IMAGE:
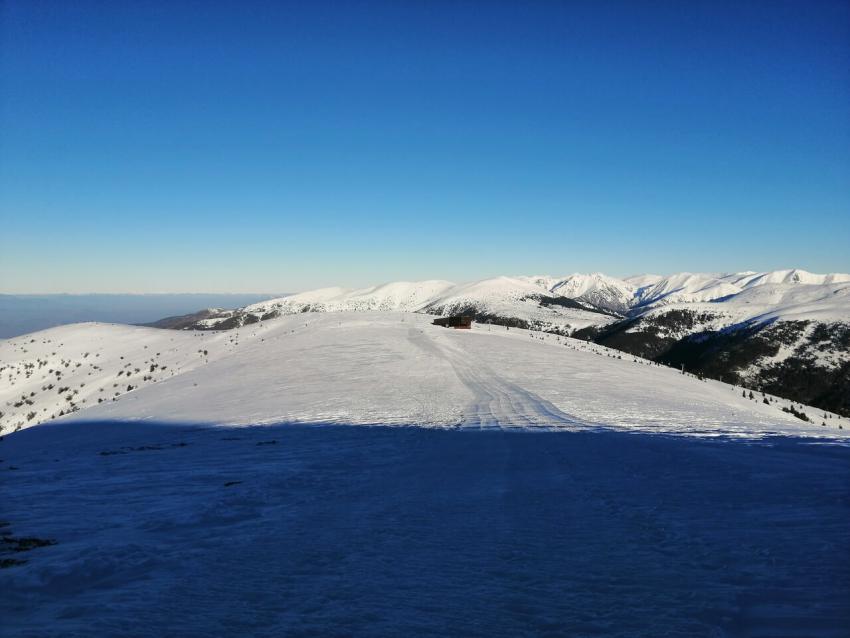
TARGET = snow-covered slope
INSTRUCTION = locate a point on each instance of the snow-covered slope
(523, 301)
(54, 372)
(764, 304)
(810, 302)
(701, 287)
(598, 290)
(786, 332)
(380, 368)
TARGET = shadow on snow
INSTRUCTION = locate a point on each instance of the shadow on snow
(198, 530)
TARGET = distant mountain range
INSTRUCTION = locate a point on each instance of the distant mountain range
(22, 314)
(786, 332)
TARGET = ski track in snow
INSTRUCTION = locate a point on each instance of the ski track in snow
(498, 403)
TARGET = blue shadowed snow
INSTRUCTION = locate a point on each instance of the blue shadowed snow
(408, 531)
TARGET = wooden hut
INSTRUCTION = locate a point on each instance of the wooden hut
(458, 322)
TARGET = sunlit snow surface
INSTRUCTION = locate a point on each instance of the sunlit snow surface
(396, 368)
(389, 531)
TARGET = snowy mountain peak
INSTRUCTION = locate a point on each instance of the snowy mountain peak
(597, 289)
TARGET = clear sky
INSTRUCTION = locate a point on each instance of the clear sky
(271, 146)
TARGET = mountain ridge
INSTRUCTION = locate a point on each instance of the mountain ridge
(592, 292)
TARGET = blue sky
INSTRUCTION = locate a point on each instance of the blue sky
(253, 146)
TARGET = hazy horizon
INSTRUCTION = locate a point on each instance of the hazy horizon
(22, 314)
(374, 283)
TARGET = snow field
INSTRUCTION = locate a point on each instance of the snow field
(398, 369)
